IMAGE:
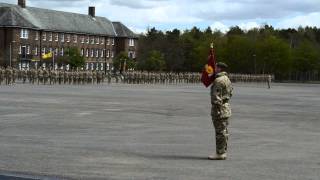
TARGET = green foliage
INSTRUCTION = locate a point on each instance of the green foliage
(259, 50)
(122, 60)
(154, 62)
(74, 58)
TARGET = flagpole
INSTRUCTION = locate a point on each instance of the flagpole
(53, 66)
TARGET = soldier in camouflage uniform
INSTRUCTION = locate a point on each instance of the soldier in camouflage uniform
(221, 92)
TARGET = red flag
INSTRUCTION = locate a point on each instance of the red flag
(208, 72)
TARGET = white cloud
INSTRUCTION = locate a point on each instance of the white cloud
(249, 25)
(219, 26)
(312, 19)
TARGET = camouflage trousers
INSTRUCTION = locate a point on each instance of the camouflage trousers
(221, 129)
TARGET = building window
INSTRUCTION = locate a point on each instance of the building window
(50, 50)
(103, 52)
(97, 53)
(131, 42)
(108, 41)
(44, 36)
(36, 36)
(50, 36)
(108, 53)
(24, 34)
(88, 40)
(28, 49)
(82, 39)
(36, 51)
(56, 37)
(68, 37)
(112, 41)
(82, 52)
(87, 52)
(131, 54)
(97, 40)
(92, 53)
(75, 38)
(43, 50)
(92, 40)
(62, 37)
(20, 49)
(102, 40)
(112, 54)
(62, 52)
(56, 51)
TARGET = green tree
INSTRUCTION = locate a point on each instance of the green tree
(122, 60)
(154, 62)
(74, 58)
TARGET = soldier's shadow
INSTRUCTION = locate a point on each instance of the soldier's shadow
(170, 156)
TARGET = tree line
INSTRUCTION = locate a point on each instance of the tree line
(289, 54)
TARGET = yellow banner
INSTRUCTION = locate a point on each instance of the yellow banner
(46, 56)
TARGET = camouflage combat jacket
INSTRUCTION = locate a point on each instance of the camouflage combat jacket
(221, 92)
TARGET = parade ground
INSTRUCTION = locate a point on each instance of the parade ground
(157, 132)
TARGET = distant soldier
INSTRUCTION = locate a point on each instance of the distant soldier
(45, 76)
(94, 76)
(2, 72)
(221, 92)
(24, 75)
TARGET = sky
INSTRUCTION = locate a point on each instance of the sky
(139, 15)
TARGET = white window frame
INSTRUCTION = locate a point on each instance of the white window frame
(131, 42)
(87, 52)
(112, 54)
(88, 40)
(28, 49)
(102, 53)
(44, 36)
(92, 53)
(37, 36)
(102, 40)
(82, 39)
(24, 34)
(97, 40)
(108, 41)
(82, 52)
(75, 38)
(68, 37)
(62, 37)
(50, 36)
(108, 53)
(92, 40)
(97, 53)
(113, 41)
(56, 37)
(43, 50)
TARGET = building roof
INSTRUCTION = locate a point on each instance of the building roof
(51, 20)
(122, 31)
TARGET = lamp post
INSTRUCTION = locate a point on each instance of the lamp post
(255, 67)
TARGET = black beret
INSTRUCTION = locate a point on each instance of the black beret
(222, 65)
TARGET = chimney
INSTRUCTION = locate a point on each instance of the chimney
(22, 3)
(92, 11)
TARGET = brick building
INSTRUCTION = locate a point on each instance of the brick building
(28, 32)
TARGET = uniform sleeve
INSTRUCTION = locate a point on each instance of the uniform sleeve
(216, 93)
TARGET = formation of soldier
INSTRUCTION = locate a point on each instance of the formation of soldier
(9, 76)
(137, 77)
(250, 78)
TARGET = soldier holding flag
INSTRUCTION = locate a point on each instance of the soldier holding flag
(221, 92)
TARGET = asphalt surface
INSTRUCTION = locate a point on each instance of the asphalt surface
(137, 132)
